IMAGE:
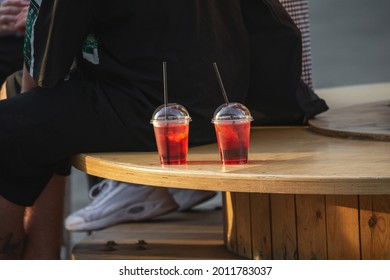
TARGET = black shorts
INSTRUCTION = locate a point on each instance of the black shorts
(11, 55)
(41, 129)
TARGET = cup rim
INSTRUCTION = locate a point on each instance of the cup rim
(167, 121)
(241, 120)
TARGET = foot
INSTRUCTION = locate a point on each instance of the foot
(117, 202)
(187, 198)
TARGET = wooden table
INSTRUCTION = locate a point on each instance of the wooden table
(362, 112)
(301, 196)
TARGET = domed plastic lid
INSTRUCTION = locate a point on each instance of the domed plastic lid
(173, 112)
(232, 112)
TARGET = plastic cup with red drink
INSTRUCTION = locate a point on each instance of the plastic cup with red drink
(171, 128)
(232, 127)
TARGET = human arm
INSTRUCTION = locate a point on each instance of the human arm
(21, 19)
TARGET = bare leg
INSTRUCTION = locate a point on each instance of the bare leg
(11, 230)
(3, 94)
(44, 222)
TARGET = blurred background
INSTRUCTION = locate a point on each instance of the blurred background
(350, 41)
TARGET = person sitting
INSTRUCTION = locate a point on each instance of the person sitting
(105, 103)
(93, 216)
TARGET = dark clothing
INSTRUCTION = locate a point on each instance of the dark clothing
(276, 95)
(106, 104)
(11, 55)
(127, 41)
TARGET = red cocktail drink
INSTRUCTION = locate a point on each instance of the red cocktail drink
(233, 141)
(172, 142)
(171, 125)
(232, 122)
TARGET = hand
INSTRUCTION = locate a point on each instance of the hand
(9, 10)
(21, 20)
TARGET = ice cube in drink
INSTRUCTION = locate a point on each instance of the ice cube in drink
(171, 127)
(233, 141)
(172, 142)
(232, 128)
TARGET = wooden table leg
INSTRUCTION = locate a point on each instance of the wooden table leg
(283, 226)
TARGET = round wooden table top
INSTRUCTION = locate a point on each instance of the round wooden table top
(281, 160)
(356, 112)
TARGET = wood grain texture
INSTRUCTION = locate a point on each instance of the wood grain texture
(356, 112)
(281, 160)
(366, 121)
(311, 227)
(188, 236)
(243, 224)
(229, 221)
(342, 217)
(261, 226)
(284, 235)
(375, 227)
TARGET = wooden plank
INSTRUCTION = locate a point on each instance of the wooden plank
(178, 235)
(284, 235)
(375, 227)
(311, 227)
(230, 233)
(130, 250)
(243, 224)
(342, 219)
(261, 226)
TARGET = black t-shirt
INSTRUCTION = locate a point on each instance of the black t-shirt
(122, 43)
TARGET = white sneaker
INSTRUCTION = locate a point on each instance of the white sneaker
(118, 202)
(187, 198)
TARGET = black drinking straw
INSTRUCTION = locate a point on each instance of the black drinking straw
(221, 83)
(165, 87)
(165, 104)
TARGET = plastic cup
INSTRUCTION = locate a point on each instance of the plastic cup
(171, 127)
(232, 127)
